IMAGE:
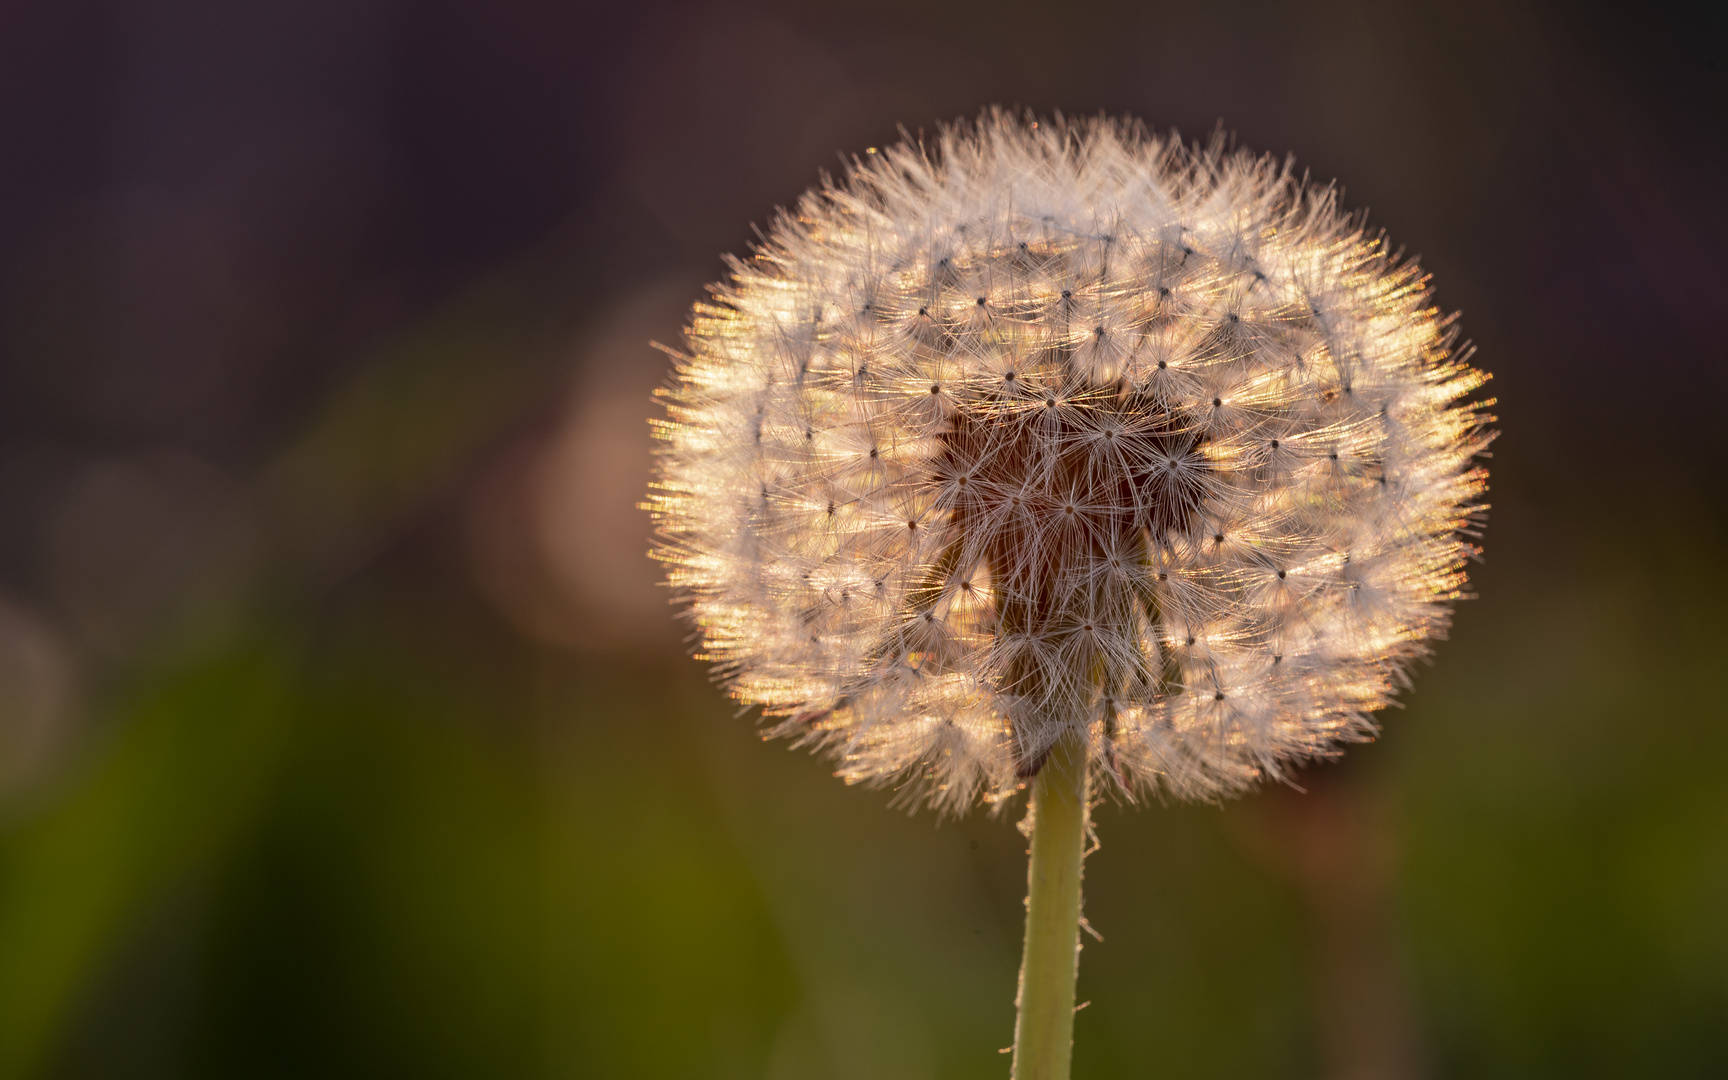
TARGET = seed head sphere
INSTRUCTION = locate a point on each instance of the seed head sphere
(1063, 427)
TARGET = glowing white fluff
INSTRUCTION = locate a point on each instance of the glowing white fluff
(1065, 426)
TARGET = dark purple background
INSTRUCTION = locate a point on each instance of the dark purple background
(299, 299)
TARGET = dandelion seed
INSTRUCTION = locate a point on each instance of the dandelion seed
(994, 431)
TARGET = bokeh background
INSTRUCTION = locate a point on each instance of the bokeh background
(344, 731)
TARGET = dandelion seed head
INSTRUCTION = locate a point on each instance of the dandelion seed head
(1069, 428)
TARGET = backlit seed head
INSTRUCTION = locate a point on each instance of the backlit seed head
(1066, 427)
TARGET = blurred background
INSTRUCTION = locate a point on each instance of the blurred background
(344, 731)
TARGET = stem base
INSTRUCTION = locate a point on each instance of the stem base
(1044, 1024)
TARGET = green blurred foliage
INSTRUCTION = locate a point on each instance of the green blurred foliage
(369, 831)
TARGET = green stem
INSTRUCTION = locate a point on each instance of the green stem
(1044, 1027)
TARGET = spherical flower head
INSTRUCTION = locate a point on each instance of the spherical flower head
(1065, 428)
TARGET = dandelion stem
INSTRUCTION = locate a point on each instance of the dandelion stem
(1044, 1026)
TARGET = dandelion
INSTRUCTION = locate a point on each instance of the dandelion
(1069, 456)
